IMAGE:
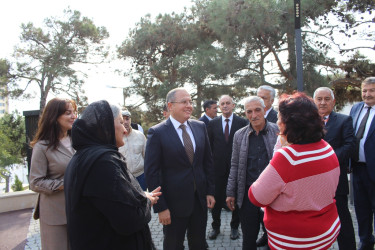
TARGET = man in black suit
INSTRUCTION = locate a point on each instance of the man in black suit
(220, 133)
(267, 93)
(340, 136)
(210, 111)
(363, 163)
(178, 159)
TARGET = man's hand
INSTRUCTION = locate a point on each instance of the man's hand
(231, 203)
(210, 201)
(165, 217)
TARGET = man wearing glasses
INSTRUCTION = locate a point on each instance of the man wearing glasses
(178, 159)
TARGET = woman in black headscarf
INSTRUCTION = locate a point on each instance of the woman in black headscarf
(105, 206)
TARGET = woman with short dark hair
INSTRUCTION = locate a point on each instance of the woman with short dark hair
(297, 188)
(52, 151)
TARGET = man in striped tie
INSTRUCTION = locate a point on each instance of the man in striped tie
(363, 163)
(178, 159)
(340, 135)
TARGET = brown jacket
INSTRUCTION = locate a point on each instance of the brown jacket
(46, 177)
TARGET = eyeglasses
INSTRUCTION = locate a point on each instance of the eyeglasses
(185, 102)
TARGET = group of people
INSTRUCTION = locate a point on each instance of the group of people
(285, 171)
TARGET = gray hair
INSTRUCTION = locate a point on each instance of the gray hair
(324, 89)
(116, 110)
(369, 80)
(226, 96)
(254, 99)
(269, 88)
(171, 96)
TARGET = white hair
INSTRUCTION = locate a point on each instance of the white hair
(254, 99)
(269, 88)
(116, 110)
(226, 96)
(324, 89)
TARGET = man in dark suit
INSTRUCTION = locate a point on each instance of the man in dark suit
(267, 93)
(340, 136)
(363, 163)
(210, 111)
(178, 159)
(220, 133)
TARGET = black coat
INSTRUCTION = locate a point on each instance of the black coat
(204, 119)
(105, 206)
(167, 165)
(340, 135)
(272, 116)
(222, 150)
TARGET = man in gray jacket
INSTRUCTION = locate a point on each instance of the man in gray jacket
(252, 150)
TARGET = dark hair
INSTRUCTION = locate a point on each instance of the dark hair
(303, 123)
(48, 127)
(207, 104)
(165, 108)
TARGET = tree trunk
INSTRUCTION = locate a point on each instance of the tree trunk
(198, 108)
(7, 179)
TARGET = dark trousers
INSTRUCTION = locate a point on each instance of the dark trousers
(195, 225)
(346, 238)
(220, 197)
(250, 223)
(364, 203)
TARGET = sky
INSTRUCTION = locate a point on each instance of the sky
(118, 16)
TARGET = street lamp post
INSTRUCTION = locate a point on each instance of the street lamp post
(124, 91)
(297, 22)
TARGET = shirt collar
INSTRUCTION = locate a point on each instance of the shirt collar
(176, 124)
(267, 112)
(209, 118)
(230, 118)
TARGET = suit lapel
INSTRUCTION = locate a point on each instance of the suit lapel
(372, 128)
(355, 120)
(195, 132)
(331, 121)
(62, 149)
(175, 139)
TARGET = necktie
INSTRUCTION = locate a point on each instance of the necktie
(325, 119)
(360, 132)
(362, 126)
(226, 131)
(187, 143)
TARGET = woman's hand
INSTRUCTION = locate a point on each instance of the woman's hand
(154, 195)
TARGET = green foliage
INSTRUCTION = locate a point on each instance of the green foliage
(232, 47)
(47, 56)
(17, 186)
(12, 143)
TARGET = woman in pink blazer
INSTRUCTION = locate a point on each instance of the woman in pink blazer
(52, 151)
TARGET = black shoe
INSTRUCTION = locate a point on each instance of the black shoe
(366, 247)
(262, 241)
(213, 234)
(234, 234)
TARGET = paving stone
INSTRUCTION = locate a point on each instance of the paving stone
(222, 242)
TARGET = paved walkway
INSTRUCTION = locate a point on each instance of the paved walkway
(14, 227)
(222, 242)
